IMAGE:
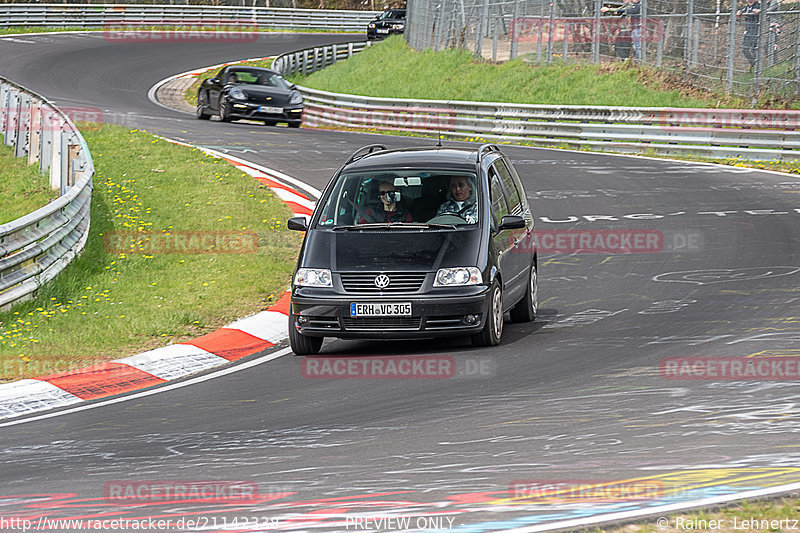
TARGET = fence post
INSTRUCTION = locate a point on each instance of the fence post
(687, 49)
(797, 64)
(759, 54)
(550, 32)
(514, 47)
(731, 48)
(642, 33)
(598, 4)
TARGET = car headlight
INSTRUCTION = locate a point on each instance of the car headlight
(313, 277)
(296, 98)
(237, 93)
(447, 277)
(372, 26)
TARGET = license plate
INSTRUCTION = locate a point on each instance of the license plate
(380, 309)
(383, 31)
(267, 109)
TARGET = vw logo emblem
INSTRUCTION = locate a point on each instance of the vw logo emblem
(382, 281)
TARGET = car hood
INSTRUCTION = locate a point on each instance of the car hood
(267, 95)
(391, 250)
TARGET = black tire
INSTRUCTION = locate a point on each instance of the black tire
(525, 310)
(294, 124)
(493, 328)
(302, 344)
(269, 123)
(224, 112)
(202, 112)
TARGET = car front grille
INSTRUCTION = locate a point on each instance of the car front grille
(382, 324)
(398, 283)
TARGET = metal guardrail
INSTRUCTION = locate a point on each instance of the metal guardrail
(728, 133)
(36, 247)
(119, 17)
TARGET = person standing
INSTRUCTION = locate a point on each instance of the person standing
(751, 30)
(633, 11)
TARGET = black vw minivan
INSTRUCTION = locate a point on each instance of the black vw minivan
(423, 242)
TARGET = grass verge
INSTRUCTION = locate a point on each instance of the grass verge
(392, 69)
(23, 189)
(115, 300)
(779, 514)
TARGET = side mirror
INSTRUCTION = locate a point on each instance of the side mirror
(297, 223)
(214, 80)
(512, 222)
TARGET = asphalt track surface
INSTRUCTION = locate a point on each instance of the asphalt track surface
(577, 397)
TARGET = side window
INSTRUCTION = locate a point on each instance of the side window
(498, 199)
(509, 185)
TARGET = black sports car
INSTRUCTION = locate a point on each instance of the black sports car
(389, 22)
(250, 93)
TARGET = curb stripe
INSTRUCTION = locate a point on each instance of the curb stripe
(101, 380)
(174, 361)
(231, 344)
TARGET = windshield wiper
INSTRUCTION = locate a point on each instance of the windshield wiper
(400, 225)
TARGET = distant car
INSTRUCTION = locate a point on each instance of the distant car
(252, 93)
(460, 254)
(389, 22)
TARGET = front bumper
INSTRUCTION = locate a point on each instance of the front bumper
(432, 315)
(381, 33)
(246, 110)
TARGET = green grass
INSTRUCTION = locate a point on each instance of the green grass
(110, 303)
(392, 69)
(23, 189)
(787, 508)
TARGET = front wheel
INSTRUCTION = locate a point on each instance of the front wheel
(294, 124)
(224, 111)
(302, 344)
(493, 328)
(525, 310)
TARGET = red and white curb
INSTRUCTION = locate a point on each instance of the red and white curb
(244, 337)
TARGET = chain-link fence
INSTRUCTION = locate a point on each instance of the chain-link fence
(739, 46)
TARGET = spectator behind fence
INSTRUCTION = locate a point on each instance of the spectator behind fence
(751, 26)
(633, 10)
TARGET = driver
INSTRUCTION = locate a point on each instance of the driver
(390, 210)
(463, 202)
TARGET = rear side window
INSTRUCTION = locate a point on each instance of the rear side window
(498, 199)
(510, 187)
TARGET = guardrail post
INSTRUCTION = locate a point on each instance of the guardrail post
(23, 126)
(34, 140)
(3, 111)
(55, 160)
(11, 117)
(305, 62)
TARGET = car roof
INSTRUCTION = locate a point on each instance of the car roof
(435, 157)
(249, 69)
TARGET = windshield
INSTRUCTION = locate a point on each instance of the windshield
(392, 15)
(406, 197)
(254, 77)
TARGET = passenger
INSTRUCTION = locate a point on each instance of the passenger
(233, 78)
(391, 208)
(463, 201)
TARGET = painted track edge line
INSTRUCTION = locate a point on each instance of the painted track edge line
(652, 511)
